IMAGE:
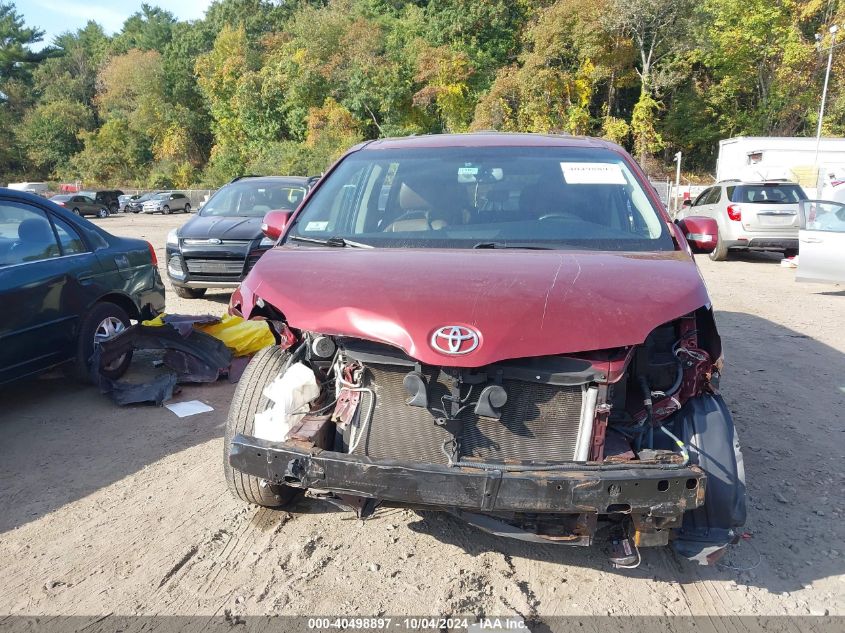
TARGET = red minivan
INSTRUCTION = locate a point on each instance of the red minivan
(506, 327)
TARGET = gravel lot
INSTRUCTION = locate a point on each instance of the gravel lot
(125, 511)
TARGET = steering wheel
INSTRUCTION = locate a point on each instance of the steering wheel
(558, 215)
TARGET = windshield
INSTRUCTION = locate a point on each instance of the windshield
(541, 197)
(770, 193)
(252, 199)
(161, 196)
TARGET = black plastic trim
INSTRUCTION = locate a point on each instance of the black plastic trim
(659, 493)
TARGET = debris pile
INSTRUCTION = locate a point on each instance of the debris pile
(197, 349)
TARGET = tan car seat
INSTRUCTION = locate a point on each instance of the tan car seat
(427, 206)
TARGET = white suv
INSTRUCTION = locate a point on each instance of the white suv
(751, 215)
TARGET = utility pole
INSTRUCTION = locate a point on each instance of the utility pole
(677, 181)
(833, 29)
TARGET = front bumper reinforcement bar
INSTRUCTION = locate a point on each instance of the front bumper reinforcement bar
(639, 491)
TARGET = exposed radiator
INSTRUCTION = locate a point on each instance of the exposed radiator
(539, 422)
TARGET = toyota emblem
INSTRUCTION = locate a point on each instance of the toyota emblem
(454, 339)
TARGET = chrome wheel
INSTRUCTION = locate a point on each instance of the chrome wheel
(107, 330)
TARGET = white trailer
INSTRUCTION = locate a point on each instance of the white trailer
(40, 188)
(770, 157)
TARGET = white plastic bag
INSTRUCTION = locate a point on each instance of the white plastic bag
(290, 395)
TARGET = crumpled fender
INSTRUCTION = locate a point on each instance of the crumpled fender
(706, 427)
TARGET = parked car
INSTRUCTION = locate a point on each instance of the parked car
(109, 198)
(751, 215)
(505, 327)
(137, 205)
(166, 203)
(822, 242)
(66, 285)
(80, 204)
(126, 199)
(220, 245)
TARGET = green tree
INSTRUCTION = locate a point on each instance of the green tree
(16, 56)
(132, 88)
(655, 28)
(647, 139)
(487, 32)
(113, 154)
(17, 62)
(444, 74)
(223, 74)
(131, 84)
(257, 17)
(71, 74)
(50, 134)
(553, 85)
(364, 62)
(332, 129)
(150, 29)
(759, 61)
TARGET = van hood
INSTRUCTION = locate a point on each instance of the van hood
(520, 303)
(221, 227)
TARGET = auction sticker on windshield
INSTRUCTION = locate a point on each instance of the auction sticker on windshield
(592, 174)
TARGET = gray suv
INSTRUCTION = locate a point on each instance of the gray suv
(167, 202)
(751, 215)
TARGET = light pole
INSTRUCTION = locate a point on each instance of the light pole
(833, 29)
(677, 180)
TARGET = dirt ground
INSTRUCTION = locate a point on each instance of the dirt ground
(125, 510)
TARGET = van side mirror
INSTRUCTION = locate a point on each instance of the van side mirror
(275, 223)
(701, 233)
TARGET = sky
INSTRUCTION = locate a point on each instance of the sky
(57, 16)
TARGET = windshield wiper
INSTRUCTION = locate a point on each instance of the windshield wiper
(527, 245)
(338, 242)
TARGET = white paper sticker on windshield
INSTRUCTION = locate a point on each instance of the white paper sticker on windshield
(316, 226)
(592, 174)
(467, 174)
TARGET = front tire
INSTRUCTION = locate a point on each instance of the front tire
(75, 211)
(720, 253)
(248, 400)
(104, 321)
(165, 210)
(187, 208)
(189, 293)
(102, 213)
